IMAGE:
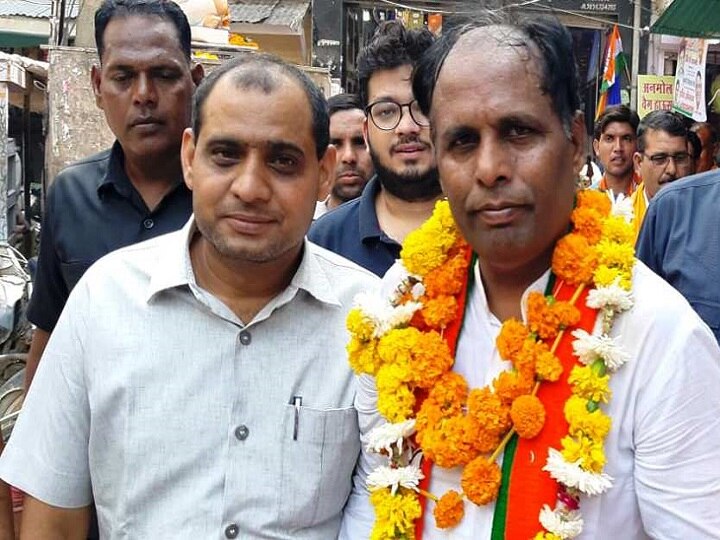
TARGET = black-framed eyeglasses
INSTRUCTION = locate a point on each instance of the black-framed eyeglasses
(387, 114)
(661, 160)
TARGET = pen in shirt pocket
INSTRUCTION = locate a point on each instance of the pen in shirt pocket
(296, 402)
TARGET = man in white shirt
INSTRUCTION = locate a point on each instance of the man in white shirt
(184, 387)
(502, 100)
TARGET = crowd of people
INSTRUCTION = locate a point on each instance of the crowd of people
(264, 314)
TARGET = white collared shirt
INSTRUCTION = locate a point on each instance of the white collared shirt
(662, 450)
(153, 397)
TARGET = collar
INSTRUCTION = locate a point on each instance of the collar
(369, 225)
(115, 176)
(539, 285)
(173, 268)
(636, 181)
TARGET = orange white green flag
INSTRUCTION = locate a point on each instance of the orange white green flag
(614, 64)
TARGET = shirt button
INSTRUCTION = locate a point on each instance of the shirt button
(231, 531)
(148, 223)
(245, 337)
(242, 432)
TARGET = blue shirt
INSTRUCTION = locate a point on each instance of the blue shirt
(352, 230)
(680, 241)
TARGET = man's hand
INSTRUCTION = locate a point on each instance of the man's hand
(41, 521)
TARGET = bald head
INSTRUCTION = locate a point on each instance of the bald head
(265, 73)
(545, 43)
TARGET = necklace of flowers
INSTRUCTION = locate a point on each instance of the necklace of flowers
(400, 342)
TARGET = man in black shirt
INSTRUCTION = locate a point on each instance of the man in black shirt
(134, 191)
(402, 194)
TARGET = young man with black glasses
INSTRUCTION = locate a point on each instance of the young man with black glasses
(403, 191)
(662, 157)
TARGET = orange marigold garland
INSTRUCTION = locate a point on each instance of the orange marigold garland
(401, 343)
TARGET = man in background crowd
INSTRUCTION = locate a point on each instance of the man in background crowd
(662, 157)
(180, 387)
(680, 241)
(709, 140)
(614, 143)
(133, 191)
(403, 191)
(353, 167)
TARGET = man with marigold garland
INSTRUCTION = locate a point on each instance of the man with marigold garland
(525, 376)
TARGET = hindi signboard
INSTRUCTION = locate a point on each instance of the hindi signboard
(655, 93)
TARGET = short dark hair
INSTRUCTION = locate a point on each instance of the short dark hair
(261, 71)
(668, 121)
(391, 46)
(615, 113)
(545, 38)
(164, 9)
(343, 102)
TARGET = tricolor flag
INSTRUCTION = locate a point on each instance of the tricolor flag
(614, 65)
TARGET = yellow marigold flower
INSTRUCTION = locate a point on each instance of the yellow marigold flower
(359, 325)
(548, 367)
(546, 536)
(616, 255)
(427, 247)
(392, 376)
(588, 222)
(397, 345)
(448, 278)
(452, 442)
(440, 311)
(616, 229)
(589, 452)
(595, 425)
(431, 358)
(574, 260)
(604, 276)
(589, 385)
(528, 416)
(510, 340)
(480, 481)
(397, 405)
(449, 510)
(489, 410)
(395, 515)
(363, 357)
(450, 393)
(590, 198)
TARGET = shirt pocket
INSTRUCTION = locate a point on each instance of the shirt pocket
(317, 464)
(73, 271)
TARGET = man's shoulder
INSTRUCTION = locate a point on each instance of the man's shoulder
(135, 262)
(698, 185)
(342, 220)
(82, 173)
(338, 267)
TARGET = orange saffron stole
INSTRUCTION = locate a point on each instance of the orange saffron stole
(451, 334)
(531, 487)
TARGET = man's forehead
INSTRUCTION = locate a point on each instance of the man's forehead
(119, 40)
(618, 127)
(497, 44)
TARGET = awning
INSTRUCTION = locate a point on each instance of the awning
(690, 18)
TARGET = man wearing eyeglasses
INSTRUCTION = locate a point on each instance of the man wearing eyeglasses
(662, 157)
(401, 195)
